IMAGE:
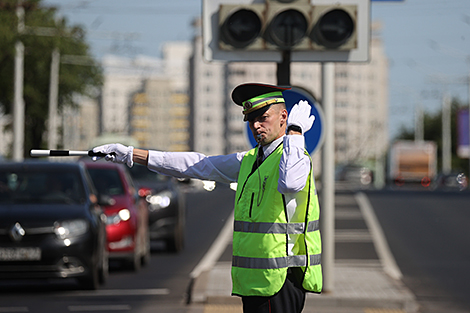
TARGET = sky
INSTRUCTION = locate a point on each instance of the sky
(427, 42)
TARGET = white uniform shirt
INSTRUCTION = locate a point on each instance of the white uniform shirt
(294, 167)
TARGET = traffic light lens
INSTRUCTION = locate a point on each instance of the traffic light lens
(241, 28)
(287, 29)
(334, 28)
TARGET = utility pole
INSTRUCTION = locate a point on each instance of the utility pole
(18, 105)
(419, 124)
(446, 135)
(53, 100)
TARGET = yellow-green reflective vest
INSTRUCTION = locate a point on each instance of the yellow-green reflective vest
(261, 255)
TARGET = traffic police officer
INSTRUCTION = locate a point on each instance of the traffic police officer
(276, 240)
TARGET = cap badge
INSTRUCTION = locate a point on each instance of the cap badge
(247, 105)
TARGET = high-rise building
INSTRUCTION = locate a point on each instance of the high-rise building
(123, 77)
(207, 104)
(80, 124)
(159, 116)
(176, 57)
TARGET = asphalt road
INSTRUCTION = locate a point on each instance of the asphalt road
(429, 236)
(161, 286)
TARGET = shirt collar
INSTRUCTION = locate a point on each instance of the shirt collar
(269, 148)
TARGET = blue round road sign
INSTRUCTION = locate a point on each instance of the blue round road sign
(314, 137)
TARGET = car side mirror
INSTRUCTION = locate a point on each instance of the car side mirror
(105, 200)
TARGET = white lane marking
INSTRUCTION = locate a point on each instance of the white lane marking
(380, 243)
(9, 309)
(87, 308)
(119, 292)
(216, 250)
(352, 235)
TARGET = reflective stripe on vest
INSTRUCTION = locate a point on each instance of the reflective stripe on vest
(275, 228)
(273, 263)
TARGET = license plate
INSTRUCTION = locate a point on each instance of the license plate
(20, 254)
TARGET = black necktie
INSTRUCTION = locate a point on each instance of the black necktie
(259, 159)
(260, 156)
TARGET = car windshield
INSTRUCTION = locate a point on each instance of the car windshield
(41, 187)
(107, 181)
(142, 173)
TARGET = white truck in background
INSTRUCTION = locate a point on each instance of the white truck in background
(412, 162)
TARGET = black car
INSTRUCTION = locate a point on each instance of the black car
(456, 181)
(166, 205)
(51, 224)
(354, 175)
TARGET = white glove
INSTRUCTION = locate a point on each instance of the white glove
(116, 152)
(300, 116)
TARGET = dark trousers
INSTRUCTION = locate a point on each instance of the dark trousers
(290, 299)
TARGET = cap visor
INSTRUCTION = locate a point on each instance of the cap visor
(251, 116)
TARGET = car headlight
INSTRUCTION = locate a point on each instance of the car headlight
(160, 200)
(70, 229)
(122, 215)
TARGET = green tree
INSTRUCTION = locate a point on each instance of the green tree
(73, 79)
(433, 132)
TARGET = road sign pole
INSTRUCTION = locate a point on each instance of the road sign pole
(327, 178)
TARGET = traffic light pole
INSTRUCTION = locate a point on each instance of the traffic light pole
(283, 69)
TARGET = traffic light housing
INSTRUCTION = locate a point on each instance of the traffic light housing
(240, 27)
(334, 28)
(287, 25)
(313, 30)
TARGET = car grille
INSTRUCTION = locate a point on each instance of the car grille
(31, 236)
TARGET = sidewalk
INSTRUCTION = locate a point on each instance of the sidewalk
(366, 278)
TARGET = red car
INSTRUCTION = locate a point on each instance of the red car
(127, 215)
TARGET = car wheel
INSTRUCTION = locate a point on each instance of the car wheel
(146, 256)
(104, 270)
(135, 262)
(92, 280)
(176, 243)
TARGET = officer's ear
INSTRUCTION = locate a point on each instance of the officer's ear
(283, 115)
